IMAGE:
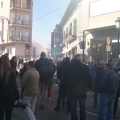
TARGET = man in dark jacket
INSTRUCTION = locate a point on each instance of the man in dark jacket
(44, 67)
(99, 73)
(78, 80)
(107, 89)
(117, 70)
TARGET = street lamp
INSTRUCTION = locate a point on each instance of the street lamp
(117, 22)
(82, 44)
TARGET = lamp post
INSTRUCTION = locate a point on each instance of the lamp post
(117, 22)
(82, 45)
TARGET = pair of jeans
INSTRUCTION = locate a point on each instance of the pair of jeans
(73, 107)
(106, 101)
(43, 91)
(60, 97)
(31, 102)
(116, 102)
(95, 95)
(8, 113)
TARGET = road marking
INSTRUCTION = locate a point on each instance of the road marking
(89, 113)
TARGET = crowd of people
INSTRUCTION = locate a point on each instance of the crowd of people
(75, 80)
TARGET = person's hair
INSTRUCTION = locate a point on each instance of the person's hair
(24, 66)
(43, 54)
(67, 60)
(5, 68)
(109, 66)
(51, 60)
(77, 57)
(13, 57)
(6, 54)
(31, 64)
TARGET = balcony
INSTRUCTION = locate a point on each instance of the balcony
(72, 35)
(19, 39)
(20, 22)
(20, 6)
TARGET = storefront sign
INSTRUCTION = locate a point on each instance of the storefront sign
(108, 40)
(108, 48)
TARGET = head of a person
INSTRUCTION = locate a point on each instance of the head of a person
(51, 60)
(97, 60)
(43, 54)
(30, 64)
(67, 60)
(5, 67)
(24, 65)
(108, 67)
(78, 57)
(14, 58)
(7, 54)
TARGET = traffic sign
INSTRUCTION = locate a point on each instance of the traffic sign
(3, 48)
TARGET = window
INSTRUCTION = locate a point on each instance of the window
(1, 4)
(66, 32)
(70, 30)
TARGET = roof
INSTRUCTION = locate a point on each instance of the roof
(71, 7)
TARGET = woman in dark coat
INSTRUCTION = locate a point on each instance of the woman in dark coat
(8, 88)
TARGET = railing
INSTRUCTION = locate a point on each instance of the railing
(21, 5)
(72, 32)
(21, 22)
(20, 38)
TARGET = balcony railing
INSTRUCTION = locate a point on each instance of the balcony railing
(20, 38)
(21, 5)
(21, 22)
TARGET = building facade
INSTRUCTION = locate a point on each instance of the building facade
(98, 20)
(89, 29)
(57, 42)
(72, 33)
(16, 27)
(66, 41)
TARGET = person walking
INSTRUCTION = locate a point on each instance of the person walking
(62, 95)
(22, 72)
(99, 73)
(30, 85)
(8, 88)
(117, 70)
(13, 63)
(78, 80)
(107, 91)
(45, 69)
(50, 86)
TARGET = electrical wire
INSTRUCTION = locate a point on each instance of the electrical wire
(48, 13)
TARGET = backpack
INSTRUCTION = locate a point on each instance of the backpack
(45, 69)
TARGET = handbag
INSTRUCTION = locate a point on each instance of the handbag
(22, 114)
(22, 105)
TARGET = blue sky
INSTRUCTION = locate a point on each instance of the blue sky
(43, 27)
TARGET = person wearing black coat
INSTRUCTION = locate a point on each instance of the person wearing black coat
(79, 80)
(117, 70)
(13, 63)
(45, 69)
(22, 72)
(62, 95)
(8, 88)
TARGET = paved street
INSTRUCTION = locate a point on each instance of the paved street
(49, 114)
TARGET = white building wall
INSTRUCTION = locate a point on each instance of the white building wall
(20, 50)
(18, 10)
(6, 10)
(99, 14)
(77, 15)
(104, 14)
